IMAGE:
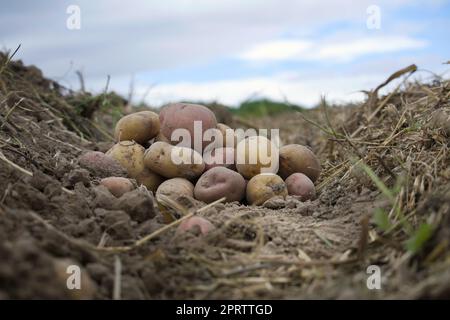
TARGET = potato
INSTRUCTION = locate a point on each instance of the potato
(297, 158)
(229, 137)
(173, 188)
(199, 223)
(264, 186)
(220, 157)
(173, 161)
(220, 182)
(149, 179)
(161, 137)
(130, 155)
(255, 155)
(182, 116)
(221, 137)
(300, 185)
(117, 185)
(100, 164)
(140, 127)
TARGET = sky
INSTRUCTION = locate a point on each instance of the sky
(229, 51)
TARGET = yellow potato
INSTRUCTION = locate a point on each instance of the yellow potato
(262, 187)
(173, 161)
(297, 158)
(149, 179)
(255, 155)
(140, 127)
(173, 188)
(130, 155)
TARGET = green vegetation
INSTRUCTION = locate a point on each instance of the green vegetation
(262, 108)
(416, 237)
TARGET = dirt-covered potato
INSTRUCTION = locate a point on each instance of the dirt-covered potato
(130, 155)
(201, 224)
(262, 187)
(149, 179)
(140, 127)
(220, 157)
(300, 185)
(297, 158)
(182, 116)
(173, 188)
(117, 185)
(220, 182)
(255, 155)
(173, 161)
(100, 164)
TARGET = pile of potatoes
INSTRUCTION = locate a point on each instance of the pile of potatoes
(216, 168)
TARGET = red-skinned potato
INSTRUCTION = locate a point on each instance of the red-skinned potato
(100, 164)
(117, 185)
(130, 155)
(297, 158)
(256, 155)
(173, 188)
(199, 223)
(220, 157)
(182, 116)
(220, 182)
(173, 161)
(300, 185)
(140, 127)
(265, 186)
(149, 179)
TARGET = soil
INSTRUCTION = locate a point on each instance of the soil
(53, 214)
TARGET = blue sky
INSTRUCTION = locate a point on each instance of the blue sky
(228, 51)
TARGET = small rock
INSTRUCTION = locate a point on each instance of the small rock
(277, 241)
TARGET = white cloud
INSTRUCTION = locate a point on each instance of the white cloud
(277, 50)
(355, 48)
(343, 50)
(299, 90)
(152, 37)
(144, 35)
